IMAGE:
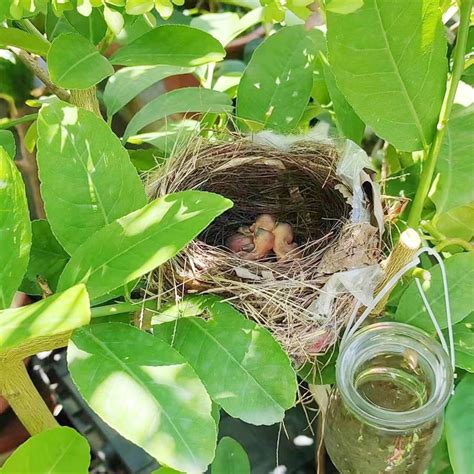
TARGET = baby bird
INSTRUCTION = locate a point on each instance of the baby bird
(283, 244)
(239, 242)
(264, 221)
(264, 241)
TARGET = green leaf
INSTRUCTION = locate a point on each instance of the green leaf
(15, 229)
(141, 241)
(230, 458)
(457, 222)
(460, 273)
(74, 62)
(127, 83)
(226, 26)
(348, 122)
(459, 426)
(242, 367)
(453, 193)
(463, 333)
(56, 314)
(59, 450)
(389, 60)
(166, 470)
(23, 40)
(7, 141)
(343, 6)
(161, 405)
(276, 85)
(93, 26)
(170, 137)
(189, 99)
(175, 45)
(47, 259)
(440, 461)
(87, 180)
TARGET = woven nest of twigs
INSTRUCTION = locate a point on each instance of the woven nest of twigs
(298, 186)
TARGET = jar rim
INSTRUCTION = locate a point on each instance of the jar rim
(350, 359)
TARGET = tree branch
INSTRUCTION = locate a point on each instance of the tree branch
(30, 62)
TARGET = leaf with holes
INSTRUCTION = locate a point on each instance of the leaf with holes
(389, 60)
(243, 368)
(163, 406)
(87, 179)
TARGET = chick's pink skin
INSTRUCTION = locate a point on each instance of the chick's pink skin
(240, 243)
(264, 241)
(284, 244)
(264, 221)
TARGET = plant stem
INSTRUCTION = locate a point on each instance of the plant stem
(433, 152)
(30, 62)
(28, 26)
(87, 99)
(18, 389)
(10, 123)
(455, 241)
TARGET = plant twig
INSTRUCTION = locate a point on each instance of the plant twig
(10, 123)
(455, 241)
(18, 389)
(28, 26)
(434, 151)
(30, 62)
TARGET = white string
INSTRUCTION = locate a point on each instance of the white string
(431, 314)
(388, 286)
(352, 328)
(447, 303)
(350, 322)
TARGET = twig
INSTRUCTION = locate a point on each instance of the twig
(27, 25)
(10, 123)
(434, 151)
(455, 241)
(29, 169)
(30, 62)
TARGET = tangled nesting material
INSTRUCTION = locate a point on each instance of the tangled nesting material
(299, 185)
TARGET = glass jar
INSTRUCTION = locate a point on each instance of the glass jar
(385, 413)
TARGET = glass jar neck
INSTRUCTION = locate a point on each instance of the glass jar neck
(394, 376)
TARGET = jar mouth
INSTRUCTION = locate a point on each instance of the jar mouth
(378, 340)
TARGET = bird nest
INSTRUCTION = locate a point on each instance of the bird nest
(298, 185)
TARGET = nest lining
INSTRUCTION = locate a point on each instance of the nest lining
(297, 186)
